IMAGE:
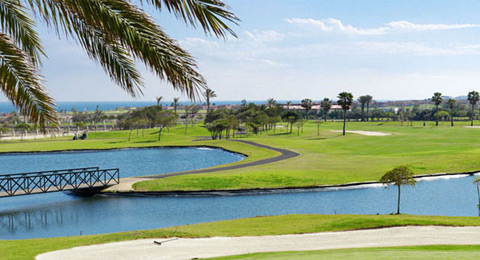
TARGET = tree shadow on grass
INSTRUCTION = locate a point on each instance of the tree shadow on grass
(282, 134)
(324, 138)
(145, 142)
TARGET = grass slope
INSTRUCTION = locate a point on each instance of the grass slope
(331, 158)
(272, 225)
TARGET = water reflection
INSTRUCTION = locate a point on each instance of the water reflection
(58, 214)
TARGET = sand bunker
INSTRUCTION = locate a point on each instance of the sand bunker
(222, 246)
(369, 133)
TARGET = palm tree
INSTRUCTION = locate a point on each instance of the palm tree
(401, 175)
(345, 100)
(115, 34)
(175, 104)
(369, 100)
(363, 101)
(208, 94)
(451, 105)
(159, 99)
(289, 103)
(271, 102)
(307, 104)
(326, 104)
(473, 98)
(437, 100)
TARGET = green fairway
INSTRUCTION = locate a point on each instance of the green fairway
(411, 253)
(274, 225)
(331, 158)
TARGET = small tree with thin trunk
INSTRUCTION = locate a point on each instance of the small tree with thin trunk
(473, 98)
(159, 99)
(477, 183)
(326, 104)
(451, 105)
(437, 100)
(369, 100)
(345, 100)
(307, 104)
(288, 104)
(363, 101)
(175, 104)
(209, 94)
(164, 119)
(398, 176)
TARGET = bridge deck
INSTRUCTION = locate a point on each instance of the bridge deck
(57, 180)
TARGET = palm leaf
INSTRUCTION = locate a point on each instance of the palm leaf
(15, 22)
(22, 85)
(208, 13)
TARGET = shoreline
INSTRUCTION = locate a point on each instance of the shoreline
(277, 190)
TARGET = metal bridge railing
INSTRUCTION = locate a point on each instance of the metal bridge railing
(57, 180)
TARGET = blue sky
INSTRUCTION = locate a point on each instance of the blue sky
(295, 49)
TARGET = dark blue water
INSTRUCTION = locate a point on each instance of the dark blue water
(58, 214)
(131, 162)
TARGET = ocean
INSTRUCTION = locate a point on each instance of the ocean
(7, 107)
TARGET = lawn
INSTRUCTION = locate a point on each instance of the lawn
(330, 158)
(466, 252)
(272, 225)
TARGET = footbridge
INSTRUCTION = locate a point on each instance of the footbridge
(82, 181)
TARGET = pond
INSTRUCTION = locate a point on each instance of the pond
(131, 162)
(59, 214)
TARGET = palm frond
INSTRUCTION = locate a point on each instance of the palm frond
(15, 22)
(210, 14)
(123, 23)
(22, 85)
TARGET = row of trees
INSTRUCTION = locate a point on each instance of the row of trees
(473, 97)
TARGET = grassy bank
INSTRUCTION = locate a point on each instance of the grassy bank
(274, 225)
(412, 253)
(330, 158)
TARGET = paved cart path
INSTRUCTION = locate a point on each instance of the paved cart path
(221, 246)
(126, 183)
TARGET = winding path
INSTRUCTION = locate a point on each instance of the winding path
(184, 248)
(126, 183)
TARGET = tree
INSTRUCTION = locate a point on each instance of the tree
(307, 104)
(451, 105)
(291, 117)
(437, 100)
(345, 100)
(363, 101)
(271, 103)
(369, 100)
(473, 98)
(113, 33)
(164, 119)
(401, 175)
(209, 94)
(175, 104)
(289, 103)
(326, 104)
(477, 183)
(159, 100)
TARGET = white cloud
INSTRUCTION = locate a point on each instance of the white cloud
(335, 25)
(418, 49)
(264, 36)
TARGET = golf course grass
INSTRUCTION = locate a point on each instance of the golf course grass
(330, 158)
(272, 225)
(466, 252)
